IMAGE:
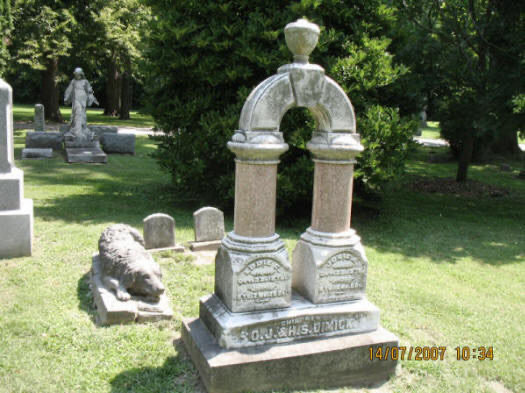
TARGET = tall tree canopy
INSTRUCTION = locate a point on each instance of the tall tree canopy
(205, 57)
(6, 25)
(478, 51)
(42, 37)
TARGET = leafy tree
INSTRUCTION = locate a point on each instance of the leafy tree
(480, 47)
(42, 37)
(204, 59)
(118, 25)
(6, 25)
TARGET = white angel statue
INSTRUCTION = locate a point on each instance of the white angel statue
(80, 95)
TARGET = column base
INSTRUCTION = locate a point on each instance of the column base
(12, 190)
(322, 363)
(329, 267)
(253, 273)
(16, 231)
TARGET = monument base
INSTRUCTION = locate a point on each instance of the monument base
(111, 311)
(212, 245)
(89, 155)
(16, 231)
(302, 320)
(329, 362)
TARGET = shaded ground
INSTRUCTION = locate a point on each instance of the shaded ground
(444, 185)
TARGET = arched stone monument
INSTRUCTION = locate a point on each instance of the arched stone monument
(319, 333)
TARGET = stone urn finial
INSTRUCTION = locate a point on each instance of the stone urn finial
(301, 38)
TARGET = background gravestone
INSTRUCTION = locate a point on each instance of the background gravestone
(16, 212)
(159, 233)
(209, 229)
(39, 120)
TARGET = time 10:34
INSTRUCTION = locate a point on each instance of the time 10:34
(480, 353)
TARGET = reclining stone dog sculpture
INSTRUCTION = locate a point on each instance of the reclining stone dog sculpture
(127, 267)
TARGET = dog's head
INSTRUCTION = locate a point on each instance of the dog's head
(147, 278)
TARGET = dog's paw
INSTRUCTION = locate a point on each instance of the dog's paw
(123, 296)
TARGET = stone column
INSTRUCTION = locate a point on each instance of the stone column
(252, 270)
(39, 119)
(16, 213)
(329, 261)
(332, 198)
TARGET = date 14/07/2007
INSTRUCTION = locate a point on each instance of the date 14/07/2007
(429, 353)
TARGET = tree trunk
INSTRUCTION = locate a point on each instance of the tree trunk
(126, 95)
(49, 91)
(506, 144)
(112, 89)
(465, 156)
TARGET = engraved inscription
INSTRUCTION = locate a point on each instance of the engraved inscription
(262, 280)
(341, 275)
(309, 326)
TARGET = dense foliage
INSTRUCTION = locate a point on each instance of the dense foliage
(477, 57)
(51, 38)
(6, 24)
(206, 57)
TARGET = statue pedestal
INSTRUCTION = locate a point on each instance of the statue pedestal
(88, 152)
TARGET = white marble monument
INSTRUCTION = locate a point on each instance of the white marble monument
(272, 324)
(16, 212)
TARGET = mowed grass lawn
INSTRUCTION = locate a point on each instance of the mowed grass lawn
(445, 270)
(26, 113)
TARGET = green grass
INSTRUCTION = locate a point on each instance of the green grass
(444, 270)
(24, 113)
(431, 131)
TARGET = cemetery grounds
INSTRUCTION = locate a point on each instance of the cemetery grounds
(445, 268)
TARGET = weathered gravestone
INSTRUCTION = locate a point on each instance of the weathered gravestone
(36, 153)
(159, 233)
(118, 143)
(209, 229)
(125, 279)
(44, 140)
(39, 120)
(16, 212)
(255, 332)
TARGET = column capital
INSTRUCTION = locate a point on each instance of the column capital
(257, 147)
(335, 147)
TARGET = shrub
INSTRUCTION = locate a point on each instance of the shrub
(205, 58)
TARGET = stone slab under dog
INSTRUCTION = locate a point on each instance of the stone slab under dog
(111, 311)
(31, 153)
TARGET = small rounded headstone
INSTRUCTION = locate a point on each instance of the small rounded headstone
(209, 224)
(159, 231)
